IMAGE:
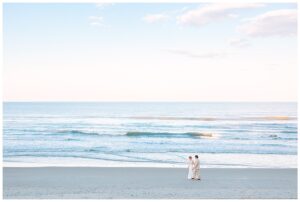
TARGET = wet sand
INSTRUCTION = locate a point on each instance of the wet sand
(147, 183)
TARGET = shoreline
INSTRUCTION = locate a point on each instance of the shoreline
(147, 183)
(207, 160)
(29, 165)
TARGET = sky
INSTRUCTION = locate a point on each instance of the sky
(150, 52)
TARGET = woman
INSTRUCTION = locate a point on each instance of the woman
(190, 167)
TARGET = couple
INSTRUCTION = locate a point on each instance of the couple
(194, 168)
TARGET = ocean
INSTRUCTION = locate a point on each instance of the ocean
(152, 134)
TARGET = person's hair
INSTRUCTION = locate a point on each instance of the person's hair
(190, 157)
(196, 156)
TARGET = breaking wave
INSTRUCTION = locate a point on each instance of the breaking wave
(142, 134)
(188, 134)
(263, 118)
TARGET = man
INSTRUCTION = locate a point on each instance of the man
(196, 168)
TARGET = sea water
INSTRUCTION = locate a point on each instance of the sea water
(150, 134)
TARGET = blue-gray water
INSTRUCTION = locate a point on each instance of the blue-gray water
(223, 134)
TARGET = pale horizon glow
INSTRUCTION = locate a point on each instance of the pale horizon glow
(150, 52)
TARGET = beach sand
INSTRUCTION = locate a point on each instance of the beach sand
(147, 183)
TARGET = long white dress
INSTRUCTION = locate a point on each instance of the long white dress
(190, 167)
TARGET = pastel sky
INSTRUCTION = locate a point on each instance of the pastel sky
(150, 52)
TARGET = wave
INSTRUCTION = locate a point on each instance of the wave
(168, 134)
(139, 134)
(279, 118)
(165, 118)
(174, 118)
(289, 131)
(264, 118)
(202, 135)
(78, 132)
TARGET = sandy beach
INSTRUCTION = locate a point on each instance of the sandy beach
(147, 183)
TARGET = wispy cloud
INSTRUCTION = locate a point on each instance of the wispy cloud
(154, 18)
(212, 13)
(192, 54)
(273, 23)
(97, 24)
(164, 16)
(239, 42)
(103, 5)
(96, 21)
(96, 18)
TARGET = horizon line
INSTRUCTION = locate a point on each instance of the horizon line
(154, 101)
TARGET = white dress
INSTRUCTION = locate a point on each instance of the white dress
(190, 167)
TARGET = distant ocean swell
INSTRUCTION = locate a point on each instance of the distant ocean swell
(263, 118)
(170, 118)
